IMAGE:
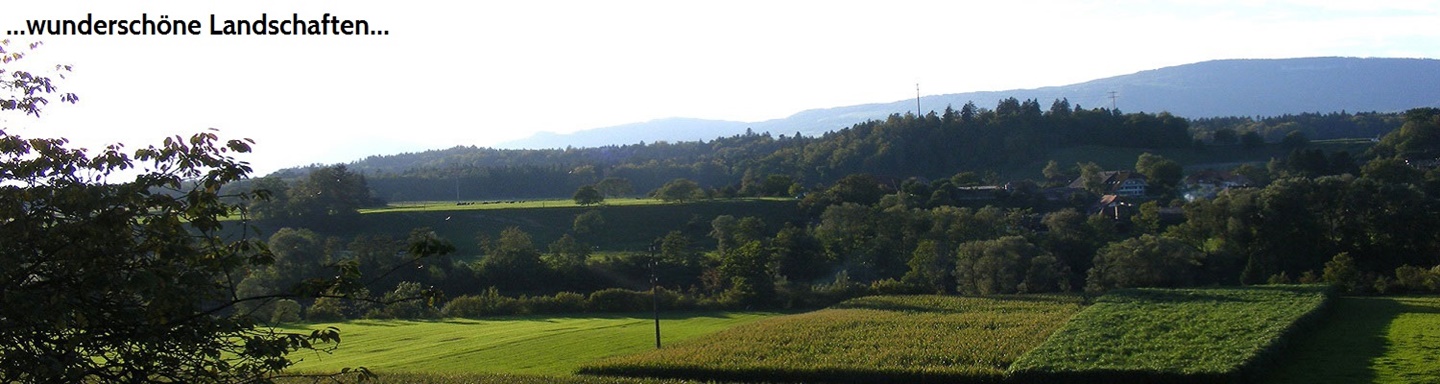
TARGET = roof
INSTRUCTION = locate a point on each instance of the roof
(1111, 178)
(1210, 176)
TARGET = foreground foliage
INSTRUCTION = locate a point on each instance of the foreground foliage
(128, 281)
(114, 266)
(870, 339)
(1175, 335)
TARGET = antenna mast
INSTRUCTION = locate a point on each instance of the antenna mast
(917, 101)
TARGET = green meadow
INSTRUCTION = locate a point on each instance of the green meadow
(511, 345)
(476, 205)
(629, 224)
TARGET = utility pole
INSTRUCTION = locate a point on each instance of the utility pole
(1112, 100)
(655, 299)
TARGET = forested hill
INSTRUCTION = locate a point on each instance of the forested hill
(1270, 87)
(938, 145)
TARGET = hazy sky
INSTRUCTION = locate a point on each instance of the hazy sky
(480, 73)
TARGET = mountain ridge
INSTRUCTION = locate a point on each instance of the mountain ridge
(1225, 87)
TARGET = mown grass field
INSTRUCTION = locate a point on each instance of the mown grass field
(1175, 335)
(628, 227)
(870, 339)
(513, 345)
(489, 378)
(1368, 340)
(474, 205)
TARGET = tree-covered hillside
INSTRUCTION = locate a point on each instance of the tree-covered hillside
(937, 145)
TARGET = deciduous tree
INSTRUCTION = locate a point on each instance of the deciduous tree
(1163, 174)
(1145, 261)
(679, 191)
(588, 195)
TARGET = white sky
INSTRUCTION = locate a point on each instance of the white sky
(483, 72)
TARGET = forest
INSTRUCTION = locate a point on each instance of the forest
(1367, 221)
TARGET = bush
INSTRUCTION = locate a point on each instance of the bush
(842, 288)
(407, 301)
(1280, 278)
(563, 302)
(326, 309)
(490, 303)
(1416, 279)
(1341, 272)
(894, 287)
(619, 300)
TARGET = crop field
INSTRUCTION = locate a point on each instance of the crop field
(870, 339)
(1175, 335)
(1369, 340)
(512, 345)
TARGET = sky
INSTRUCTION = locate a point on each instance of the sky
(485, 72)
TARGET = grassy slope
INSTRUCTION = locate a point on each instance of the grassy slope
(521, 345)
(887, 338)
(452, 206)
(1175, 334)
(628, 226)
(1369, 340)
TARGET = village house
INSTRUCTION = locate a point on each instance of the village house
(1119, 183)
(1208, 183)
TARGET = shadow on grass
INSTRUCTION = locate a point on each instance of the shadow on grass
(1343, 347)
(1234, 294)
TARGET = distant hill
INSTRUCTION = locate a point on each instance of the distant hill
(671, 129)
(1268, 87)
